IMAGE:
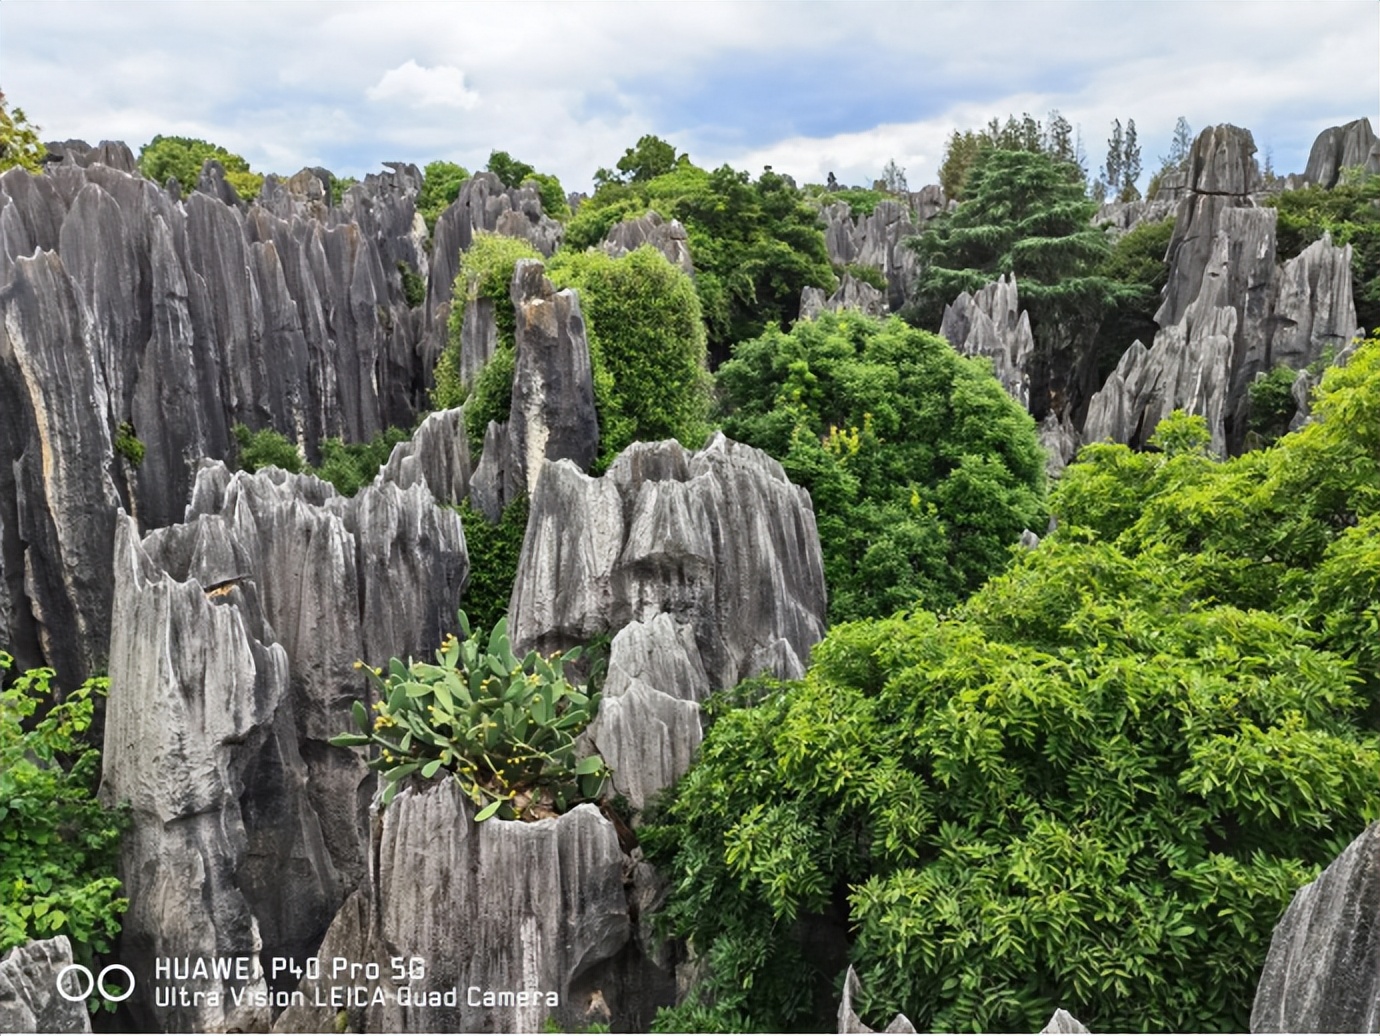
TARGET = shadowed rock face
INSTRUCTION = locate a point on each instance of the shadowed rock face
(1229, 311)
(122, 305)
(1323, 970)
(878, 240)
(992, 324)
(234, 640)
(29, 1000)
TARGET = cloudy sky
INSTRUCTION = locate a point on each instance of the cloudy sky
(807, 88)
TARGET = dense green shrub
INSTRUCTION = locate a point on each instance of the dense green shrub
(128, 445)
(441, 183)
(1136, 264)
(494, 550)
(19, 142)
(647, 347)
(756, 244)
(58, 845)
(922, 470)
(414, 287)
(347, 466)
(182, 157)
(514, 173)
(1272, 404)
(503, 728)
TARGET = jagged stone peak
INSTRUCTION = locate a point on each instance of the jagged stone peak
(1341, 147)
(667, 237)
(1222, 161)
(113, 153)
(852, 293)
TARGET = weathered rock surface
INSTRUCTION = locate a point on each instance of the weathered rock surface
(29, 998)
(1322, 973)
(1229, 311)
(552, 416)
(1337, 148)
(124, 306)
(992, 324)
(483, 205)
(235, 635)
(538, 908)
(1127, 215)
(878, 240)
(437, 456)
(1060, 441)
(718, 539)
(851, 293)
(668, 238)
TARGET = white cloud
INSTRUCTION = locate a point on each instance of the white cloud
(441, 86)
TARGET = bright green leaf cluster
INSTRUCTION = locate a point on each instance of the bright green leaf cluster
(182, 157)
(923, 471)
(19, 143)
(58, 845)
(503, 727)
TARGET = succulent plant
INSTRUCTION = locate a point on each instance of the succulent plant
(504, 728)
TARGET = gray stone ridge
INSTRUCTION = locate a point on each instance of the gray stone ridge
(1322, 973)
(668, 238)
(1342, 147)
(29, 998)
(232, 662)
(878, 240)
(129, 311)
(528, 924)
(851, 293)
(992, 324)
(1229, 312)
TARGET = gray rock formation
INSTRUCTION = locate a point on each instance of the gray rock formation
(667, 238)
(718, 539)
(552, 415)
(851, 293)
(113, 153)
(437, 456)
(533, 917)
(1127, 215)
(1062, 1021)
(1337, 148)
(848, 1020)
(878, 240)
(122, 305)
(231, 665)
(1229, 312)
(992, 324)
(1060, 441)
(483, 205)
(29, 998)
(648, 724)
(1322, 973)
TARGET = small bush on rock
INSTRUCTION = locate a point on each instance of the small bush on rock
(504, 728)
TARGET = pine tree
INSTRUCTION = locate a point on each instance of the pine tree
(1111, 172)
(1130, 164)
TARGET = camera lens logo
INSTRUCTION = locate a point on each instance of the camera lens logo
(82, 975)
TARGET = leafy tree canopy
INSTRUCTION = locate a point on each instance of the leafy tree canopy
(1057, 140)
(649, 158)
(756, 244)
(922, 470)
(441, 182)
(647, 347)
(182, 157)
(1096, 784)
(19, 143)
(514, 173)
(1026, 214)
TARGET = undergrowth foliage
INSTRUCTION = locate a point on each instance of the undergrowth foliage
(503, 728)
(58, 845)
(1095, 785)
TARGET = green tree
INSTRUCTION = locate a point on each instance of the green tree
(19, 143)
(922, 470)
(649, 158)
(1136, 264)
(647, 347)
(441, 182)
(1096, 784)
(58, 845)
(182, 157)
(1025, 214)
(514, 173)
(756, 244)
